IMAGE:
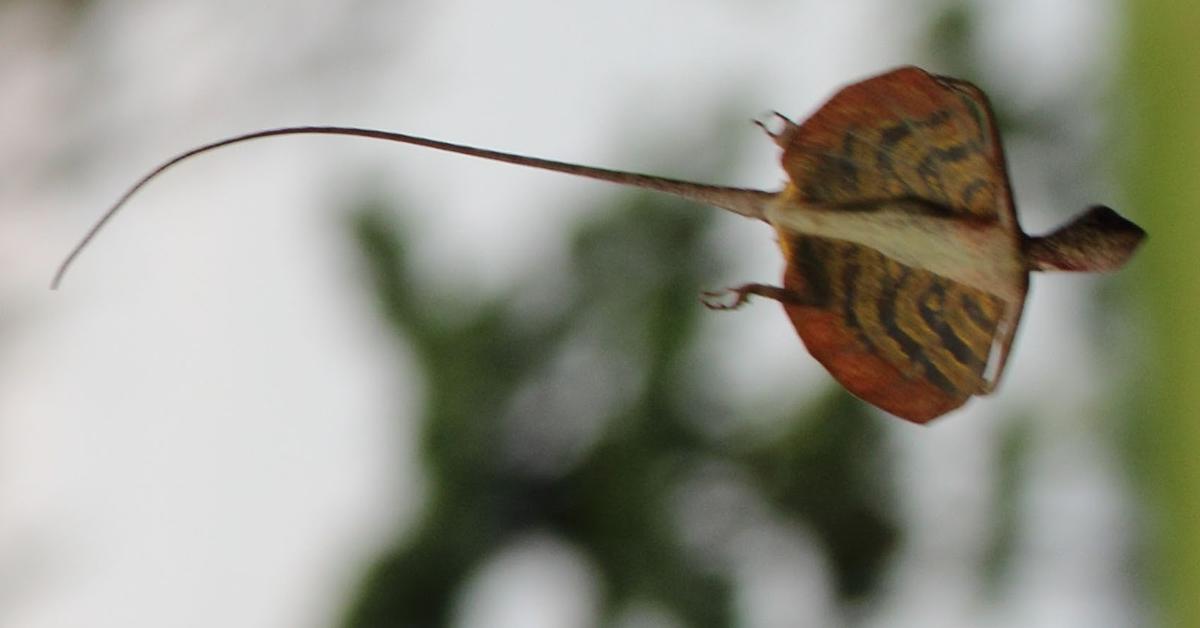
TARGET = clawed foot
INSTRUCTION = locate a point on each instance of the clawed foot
(777, 127)
(719, 300)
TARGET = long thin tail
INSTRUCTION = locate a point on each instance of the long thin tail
(750, 203)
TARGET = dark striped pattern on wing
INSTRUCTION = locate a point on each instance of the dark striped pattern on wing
(902, 135)
(911, 342)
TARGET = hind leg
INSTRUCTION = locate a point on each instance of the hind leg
(716, 299)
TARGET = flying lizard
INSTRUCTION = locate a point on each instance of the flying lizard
(906, 268)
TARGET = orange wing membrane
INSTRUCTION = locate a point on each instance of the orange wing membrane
(910, 341)
(903, 135)
(906, 267)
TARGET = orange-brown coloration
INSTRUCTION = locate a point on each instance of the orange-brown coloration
(906, 268)
(906, 135)
(893, 125)
(831, 341)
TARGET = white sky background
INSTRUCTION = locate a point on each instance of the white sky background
(201, 428)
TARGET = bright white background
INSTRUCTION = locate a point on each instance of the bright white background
(209, 426)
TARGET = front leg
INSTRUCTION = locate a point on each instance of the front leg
(779, 128)
(714, 300)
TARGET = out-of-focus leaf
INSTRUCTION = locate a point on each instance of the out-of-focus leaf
(830, 472)
(1162, 95)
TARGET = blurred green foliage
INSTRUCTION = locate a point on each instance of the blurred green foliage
(1162, 97)
(633, 282)
(630, 306)
(625, 305)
